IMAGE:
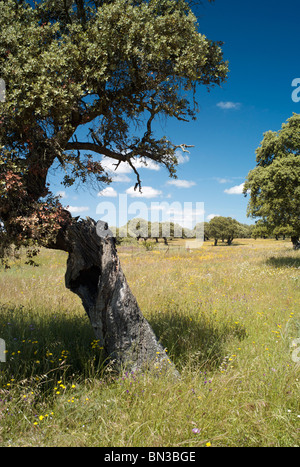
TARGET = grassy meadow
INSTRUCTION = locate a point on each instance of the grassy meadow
(227, 317)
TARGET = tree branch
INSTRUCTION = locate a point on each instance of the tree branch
(184, 147)
(87, 146)
(138, 183)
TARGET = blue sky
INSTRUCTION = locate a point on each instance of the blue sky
(261, 43)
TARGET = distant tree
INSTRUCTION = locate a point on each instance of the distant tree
(200, 231)
(138, 228)
(223, 228)
(283, 231)
(274, 184)
(245, 230)
(260, 230)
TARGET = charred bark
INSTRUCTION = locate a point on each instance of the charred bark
(95, 274)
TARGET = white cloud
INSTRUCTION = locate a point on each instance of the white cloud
(108, 192)
(110, 166)
(124, 168)
(181, 158)
(62, 194)
(151, 165)
(120, 178)
(235, 190)
(181, 183)
(76, 209)
(229, 105)
(223, 180)
(211, 216)
(147, 192)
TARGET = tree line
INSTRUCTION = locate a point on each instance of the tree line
(218, 229)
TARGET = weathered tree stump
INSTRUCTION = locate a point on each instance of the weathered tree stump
(95, 274)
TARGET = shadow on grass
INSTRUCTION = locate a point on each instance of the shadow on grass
(199, 342)
(225, 244)
(47, 346)
(283, 262)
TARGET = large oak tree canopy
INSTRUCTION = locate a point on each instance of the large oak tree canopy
(112, 66)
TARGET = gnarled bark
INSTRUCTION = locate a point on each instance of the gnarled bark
(95, 274)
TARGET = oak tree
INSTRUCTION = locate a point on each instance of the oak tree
(274, 184)
(108, 68)
(224, 228)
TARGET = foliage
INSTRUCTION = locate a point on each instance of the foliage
(149, 246)
(140, 228)
(260, 230)
(108, 68)
(220, 227)
(274, 183)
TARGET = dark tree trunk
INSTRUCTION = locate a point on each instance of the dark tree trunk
(95, 274)
(296, 243)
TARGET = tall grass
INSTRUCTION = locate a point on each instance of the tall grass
(227, 317)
